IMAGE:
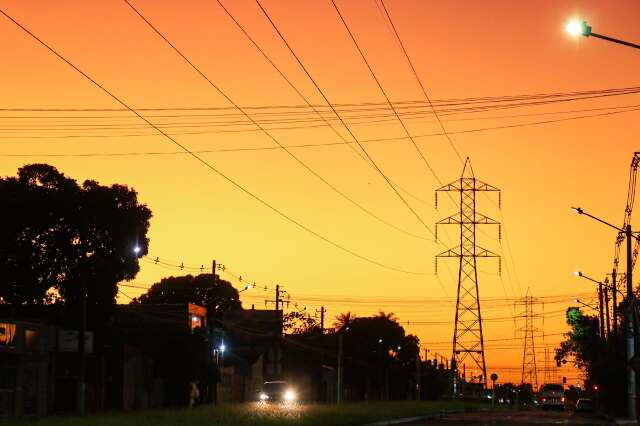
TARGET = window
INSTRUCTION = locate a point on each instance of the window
(196, 321)
(31, 340)
(7, 335)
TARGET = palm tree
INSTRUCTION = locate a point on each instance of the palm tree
(343, 319)
(390, 316)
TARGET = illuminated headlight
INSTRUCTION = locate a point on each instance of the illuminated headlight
(289, 396)
(264, 396)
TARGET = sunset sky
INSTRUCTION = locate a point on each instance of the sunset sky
(460, 49)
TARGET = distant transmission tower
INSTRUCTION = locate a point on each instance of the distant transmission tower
(529, 366)
(468, 341)
(547, 366)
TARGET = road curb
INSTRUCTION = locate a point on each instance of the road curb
(432, 416)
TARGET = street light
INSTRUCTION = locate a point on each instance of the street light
(631, 333)
(575, 27)
(600, 305)
(586, 304)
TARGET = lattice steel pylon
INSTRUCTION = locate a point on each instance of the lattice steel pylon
(529, 366)
(468, 340)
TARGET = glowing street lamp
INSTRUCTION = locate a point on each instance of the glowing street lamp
(576, 27)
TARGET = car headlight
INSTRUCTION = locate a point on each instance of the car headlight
(289, 395)
(264, 396)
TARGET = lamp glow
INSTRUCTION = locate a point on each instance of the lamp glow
(574, 27)
(289, 396)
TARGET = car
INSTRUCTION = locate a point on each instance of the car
(551, 396)
(277, 392)
(584, 405)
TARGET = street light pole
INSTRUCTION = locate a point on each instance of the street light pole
(582, 28)
(631, 334)
(615, 40)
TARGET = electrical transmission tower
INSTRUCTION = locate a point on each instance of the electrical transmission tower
(468, 341)
(529, 366)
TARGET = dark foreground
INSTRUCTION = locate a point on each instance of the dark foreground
(519, 418)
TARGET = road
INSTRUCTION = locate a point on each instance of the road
(520, 418)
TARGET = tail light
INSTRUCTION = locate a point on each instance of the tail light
(562, 399)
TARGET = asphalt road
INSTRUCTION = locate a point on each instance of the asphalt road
(519, 418)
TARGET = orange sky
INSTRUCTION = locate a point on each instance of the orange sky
(460, 50)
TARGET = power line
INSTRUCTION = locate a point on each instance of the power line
(322, 144)
(344, 106)
(415, 74)
(384, 93)
(344, 124)
(203, 161)
(269, 135)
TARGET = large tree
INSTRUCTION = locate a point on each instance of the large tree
(602, 359)
(378, 355)
(205, 290)
(59, 236)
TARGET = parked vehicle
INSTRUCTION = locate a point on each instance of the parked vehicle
(584, 405)
(277, 391)
(551, 396)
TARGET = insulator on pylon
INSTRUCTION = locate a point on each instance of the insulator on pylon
(499, 232)
(500, 266)
(499, 199)
(436, 200)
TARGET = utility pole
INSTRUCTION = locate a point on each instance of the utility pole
(340, 361)
(279, 301)
(82, 364)
(606, 305)
(614, 286)
(468, 340)
(322, 312)
(631, 333)
(601, 310)
(418, 381)
(529, 366)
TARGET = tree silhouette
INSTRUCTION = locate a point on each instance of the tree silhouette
(214, 294)
(299, 322)
(343, 319)
(57, 235)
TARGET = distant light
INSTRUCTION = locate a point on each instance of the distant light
(399, 347)
(289, 395)
(222, 347)
(136, 249)
(380, 340)
(264, 396)
(574, 27)
(577, 273)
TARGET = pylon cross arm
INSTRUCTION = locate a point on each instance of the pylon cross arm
(483, 252)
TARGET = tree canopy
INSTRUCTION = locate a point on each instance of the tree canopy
(205, 290)
(58, 235)
(601, 358)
